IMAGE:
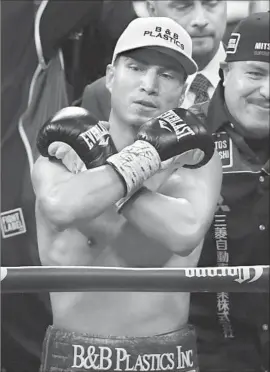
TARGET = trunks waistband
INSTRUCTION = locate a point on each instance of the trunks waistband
(65, 351)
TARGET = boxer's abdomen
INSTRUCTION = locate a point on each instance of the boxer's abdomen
(124, 313)
(120, 313)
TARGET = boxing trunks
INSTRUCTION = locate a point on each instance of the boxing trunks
(65, 351)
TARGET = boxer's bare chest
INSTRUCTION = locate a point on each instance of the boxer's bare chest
(110, 240)
(113, 241)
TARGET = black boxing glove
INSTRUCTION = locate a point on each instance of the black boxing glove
(171, 134)
(176, 132)
(80, 130)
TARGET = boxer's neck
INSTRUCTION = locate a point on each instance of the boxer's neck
(122, 134)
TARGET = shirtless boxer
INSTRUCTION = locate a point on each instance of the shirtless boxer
(145, 200)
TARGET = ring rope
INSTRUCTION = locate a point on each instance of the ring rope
(29, 279)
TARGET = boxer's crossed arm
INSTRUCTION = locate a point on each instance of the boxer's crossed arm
(66, 199)
(86, 195)
(179, 215)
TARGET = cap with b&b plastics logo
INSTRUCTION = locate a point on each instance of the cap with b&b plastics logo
(162, 34)
(249, 41)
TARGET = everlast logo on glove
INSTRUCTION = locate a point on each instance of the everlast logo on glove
(95, 134)
(178, 125)
(79, 129)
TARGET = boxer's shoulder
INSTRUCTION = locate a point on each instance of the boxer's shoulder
(97, 85)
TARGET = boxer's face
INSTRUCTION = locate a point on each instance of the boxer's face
(205, 21)
(246, 88)
(144, 83)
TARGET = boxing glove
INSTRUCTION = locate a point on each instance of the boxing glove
(169, 135)
(79, 129)
(176, 132)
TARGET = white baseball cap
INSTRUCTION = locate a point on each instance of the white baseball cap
(160, 33)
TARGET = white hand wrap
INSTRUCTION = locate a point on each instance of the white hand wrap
(136, 163)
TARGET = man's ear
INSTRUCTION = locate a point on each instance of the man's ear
(110, 70)
(151, 7)
(225, 69)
